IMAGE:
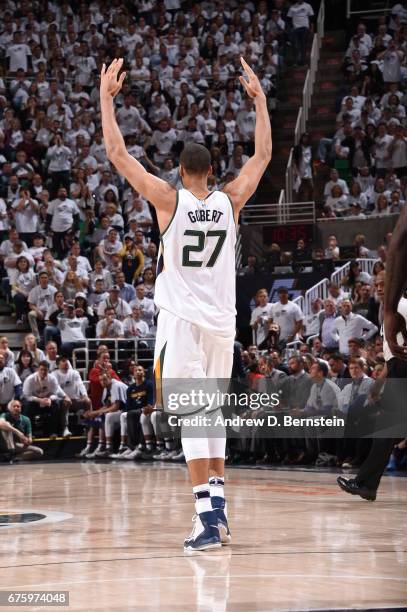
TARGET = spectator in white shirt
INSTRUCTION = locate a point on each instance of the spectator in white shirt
(40, 299)
(300, 13)
(62, 216)
(287, 315)
(71, 383)
(10, 383)
(335, 180)
(24, 281)
(261, 317)
(133, 325)
(72, 325)
(60, 163)
(350, 325)
(18, 54)
(146, 304)
(26, 216)
(42, 394)
(109, 326)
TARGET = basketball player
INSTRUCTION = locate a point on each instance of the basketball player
(368, 478)
(195, 288)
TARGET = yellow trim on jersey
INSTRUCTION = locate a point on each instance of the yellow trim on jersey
(158, 374)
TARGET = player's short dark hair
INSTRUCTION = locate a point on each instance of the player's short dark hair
(195, 158)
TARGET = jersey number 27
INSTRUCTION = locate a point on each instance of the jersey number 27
(199, 247)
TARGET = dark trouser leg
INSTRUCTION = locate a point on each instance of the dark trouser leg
(302, 34)
(21, 304)
(57, 417)
(52, 333)
(393, 407)
(133, 428)
(373, 467)
(58, 242)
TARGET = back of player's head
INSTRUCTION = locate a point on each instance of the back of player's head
(195, 159)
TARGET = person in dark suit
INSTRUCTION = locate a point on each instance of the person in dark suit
(367, 481)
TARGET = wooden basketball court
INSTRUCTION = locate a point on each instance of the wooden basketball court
(299, 543)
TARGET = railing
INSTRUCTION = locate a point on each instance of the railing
(120, 349)
(372, 11)
(289, 178)
(366, 265)
(320, 290)
(299, 300)
(307, 92)
(281, 213)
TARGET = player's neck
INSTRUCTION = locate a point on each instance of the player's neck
(197, 186)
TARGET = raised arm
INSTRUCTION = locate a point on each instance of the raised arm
(247, 182)
(157, 191)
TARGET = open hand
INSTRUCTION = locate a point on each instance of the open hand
(252, 86)
(110, 81)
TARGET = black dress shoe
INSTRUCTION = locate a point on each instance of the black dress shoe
(351, 485)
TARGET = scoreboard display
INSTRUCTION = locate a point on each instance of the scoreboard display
(288, 234)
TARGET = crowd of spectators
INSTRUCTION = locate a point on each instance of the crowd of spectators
(79, 249)
(368, 149)
(329, 362)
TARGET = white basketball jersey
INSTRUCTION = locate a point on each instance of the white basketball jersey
(196, 263)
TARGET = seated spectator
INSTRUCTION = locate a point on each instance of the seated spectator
(42, 395)
(108, 326)
(51, 331)
(335, 181)
(16, 433)
(120, 307)
(30, 344)
(71, 383)
(8, 354)
(10, 383)
(338, 201)
(72, 325)
(24, 366)
(127, 291)
(146, 304)
(24, 280)
(134, 326)
(113, 402)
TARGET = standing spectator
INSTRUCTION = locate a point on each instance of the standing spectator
(300, 13)
(287, 316)
(350, 325)
(303, 160)
(60, 163)
(25, 213)
(62, 216)
(40, 299)
(261, 318)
